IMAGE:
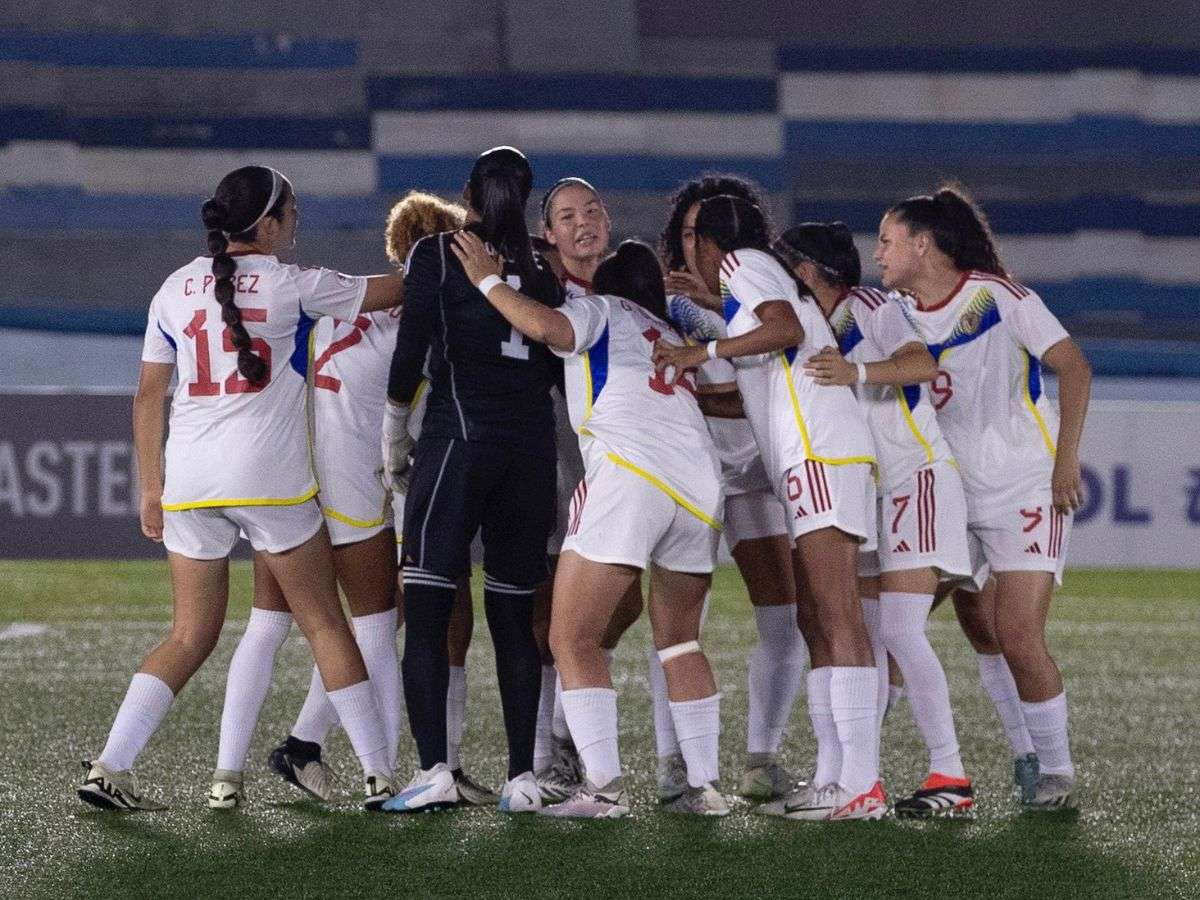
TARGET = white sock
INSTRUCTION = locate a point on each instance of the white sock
(698, 724)
(376, 638)
(248, 682)
(903, 618)
(664, 726)
(456, 715)
(776, 668)
(358, 710)
(895, 695)
(592, 718)
(997, 680)
(872, 617)
(1047, 724)
(543, 743)
(853, 694)
(317, 715)
(141, 712)
(558, 719)
(829, 750)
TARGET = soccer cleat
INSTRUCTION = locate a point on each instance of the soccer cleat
(299, 763)
(766, 782)
(1025, 776)
(802, 796)
(672, 777)
(591, 802)
(430, 790)
(378, 789)
(813, 805)
(563, 777)
(107, 789)
(521, 794)
(940, 795)
(227, 791)
(700, 801)
(471, 793)
(1052, 792)
(869, 805)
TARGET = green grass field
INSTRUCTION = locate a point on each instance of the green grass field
(1127, 642)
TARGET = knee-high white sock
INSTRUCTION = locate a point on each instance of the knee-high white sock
(317, 715)
(141, 712)
(592, 719)
(774, 674)
(872, 617)
(903, 618)
(665, 739)
(376, 638)
(542, 742)
(698, 724)
(853, 693)
(1047, 724)
(456, 715)
(358, 710)
(997, 680)
(829, 749)
(248, 682)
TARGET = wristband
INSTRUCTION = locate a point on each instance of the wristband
(711, 349)
(862, 373)
(488, 283)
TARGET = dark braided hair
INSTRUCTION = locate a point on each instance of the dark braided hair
(959, 228)
(244, 198)
(671, 241)
(828, 245)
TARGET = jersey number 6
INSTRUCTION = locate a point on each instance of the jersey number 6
(204, 386)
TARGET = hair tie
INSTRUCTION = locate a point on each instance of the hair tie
(278, 180)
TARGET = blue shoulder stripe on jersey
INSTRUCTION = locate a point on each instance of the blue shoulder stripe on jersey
(1035, 377)
(598, 360)
(170, 340)
(299, 359)
(912, 395)
(989, 319)
(730, 308)
(849, 339)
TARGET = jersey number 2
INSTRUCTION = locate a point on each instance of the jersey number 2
(204, 386)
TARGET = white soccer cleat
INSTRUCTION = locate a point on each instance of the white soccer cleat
(591, 802)
(1053, 792)
(700, 801)
(833, 803)
(430, 790)
(227, 791)
(672, 778)
(521, 794)
(299, 763)
(563, 777)
(378, 789)
(801, 797)
(108, 789)
(869, 805)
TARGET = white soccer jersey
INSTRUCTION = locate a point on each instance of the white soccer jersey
(624, 409)
(741, 464)
(793, 417)
(988, 336)
(869, 327)
(230, 443)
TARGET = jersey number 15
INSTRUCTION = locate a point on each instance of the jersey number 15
(204, 386)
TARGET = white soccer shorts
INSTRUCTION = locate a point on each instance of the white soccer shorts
(1031, 537)
(755, 515)
(212, 532)
(923, 524)
(819, 495)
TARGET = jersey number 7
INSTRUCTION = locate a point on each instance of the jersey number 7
(204, 386)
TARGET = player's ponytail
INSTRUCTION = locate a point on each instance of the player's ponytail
(827, 245)
(241, 201)
(958, 226)
(497, 190)
(635, 274)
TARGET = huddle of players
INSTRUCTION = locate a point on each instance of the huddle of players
(840, 489)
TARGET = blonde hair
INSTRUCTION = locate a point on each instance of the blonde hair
(415, 216)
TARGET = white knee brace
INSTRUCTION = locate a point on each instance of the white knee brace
(668, 653)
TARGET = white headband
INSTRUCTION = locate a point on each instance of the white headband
(277, 183)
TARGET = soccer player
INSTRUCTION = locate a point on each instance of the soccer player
(576, 228)
(756, 530)
(818, 453)
(1020, 465)
(923, 512)
(237, 461)
(651, 499)
(484, 462)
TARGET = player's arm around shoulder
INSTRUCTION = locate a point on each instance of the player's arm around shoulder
(532, 318)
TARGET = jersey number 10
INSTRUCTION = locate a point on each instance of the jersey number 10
(204, 386)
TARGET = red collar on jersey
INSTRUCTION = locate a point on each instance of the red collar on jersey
(586, 285)
(950, 296)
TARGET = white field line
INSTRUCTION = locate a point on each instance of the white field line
(22, 630)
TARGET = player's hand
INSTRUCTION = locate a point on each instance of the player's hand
(396, 448)
(674, 361)
(1066, 482)
(830, 367)
(476, 261)
(693, 286)
(150, 512)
